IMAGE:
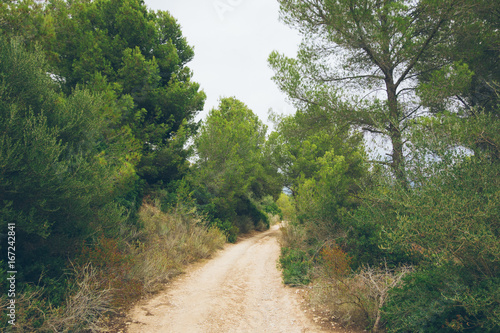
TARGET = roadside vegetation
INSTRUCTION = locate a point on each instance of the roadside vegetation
(113, 187)
(107, 198)
(406, 238)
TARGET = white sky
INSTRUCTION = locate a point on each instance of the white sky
(232, 40)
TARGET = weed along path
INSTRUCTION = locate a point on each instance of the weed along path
(239, 290)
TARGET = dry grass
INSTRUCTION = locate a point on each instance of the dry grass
(274, 219)
(85, 307)
(170, 241)
(292, 236)
(356, 298)
(29, 310)
(83, 311)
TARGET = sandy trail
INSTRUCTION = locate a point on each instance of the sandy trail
(239, 290)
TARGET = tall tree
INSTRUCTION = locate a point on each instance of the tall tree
(376, 49)
(322, 164)
(137, 56)
(59, 172)
(230, 165)
(300, 139)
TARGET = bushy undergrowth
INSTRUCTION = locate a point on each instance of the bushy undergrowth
(444, 298)
(87, 300)
(294, 261)
(356, 298)
(242, 215)
(109, 274)
(296, 266)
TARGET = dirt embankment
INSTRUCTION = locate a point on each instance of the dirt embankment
(239, 290)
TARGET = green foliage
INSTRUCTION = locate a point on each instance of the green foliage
(227, 228)
(25, 19)
(300, 140)
(444, 299)
(453, 80)
(286, 206)
(453, 210)
(364, 47)
(60, 172)
(269, 206)
(133, 56)
(447, 223)
(436, 205)
(57, 169)
(475, 44)
(296, 266)
(322, 163)
(365, 238)
(96, 110)
(168, 163)
(247, 207)
(229, 174)
(323, 200)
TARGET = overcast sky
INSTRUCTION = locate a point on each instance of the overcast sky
(232, 40)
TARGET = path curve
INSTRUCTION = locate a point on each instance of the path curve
(239, 290)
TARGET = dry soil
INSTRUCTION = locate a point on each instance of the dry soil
(239, 290)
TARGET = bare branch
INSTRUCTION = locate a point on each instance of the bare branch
(411, 113)
(371, 130)
(368, 76)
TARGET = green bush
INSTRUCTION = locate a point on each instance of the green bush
(444, 299)
(296, 266)
(286, 205)
(270, 206)
(246, 207)
(227, 228)
(365, 240)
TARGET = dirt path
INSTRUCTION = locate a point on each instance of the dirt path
(240, 290)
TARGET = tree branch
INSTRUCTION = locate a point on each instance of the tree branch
(413, 62)
(371, 130)
(352, 78)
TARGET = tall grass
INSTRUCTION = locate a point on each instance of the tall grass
(168, 242)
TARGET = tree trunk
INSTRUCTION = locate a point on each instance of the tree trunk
(398, 162)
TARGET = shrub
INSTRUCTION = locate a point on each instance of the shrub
(227, 228)
(296, 266)
(354, 298)
(109, 263)
(286, 206)
(271, 207)
(274, 219)
(245, 224)
(444, 299)
(247, 208)
(366, 238)
(85, 305)
(292, 235)
(335, 262)
(31, 308)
